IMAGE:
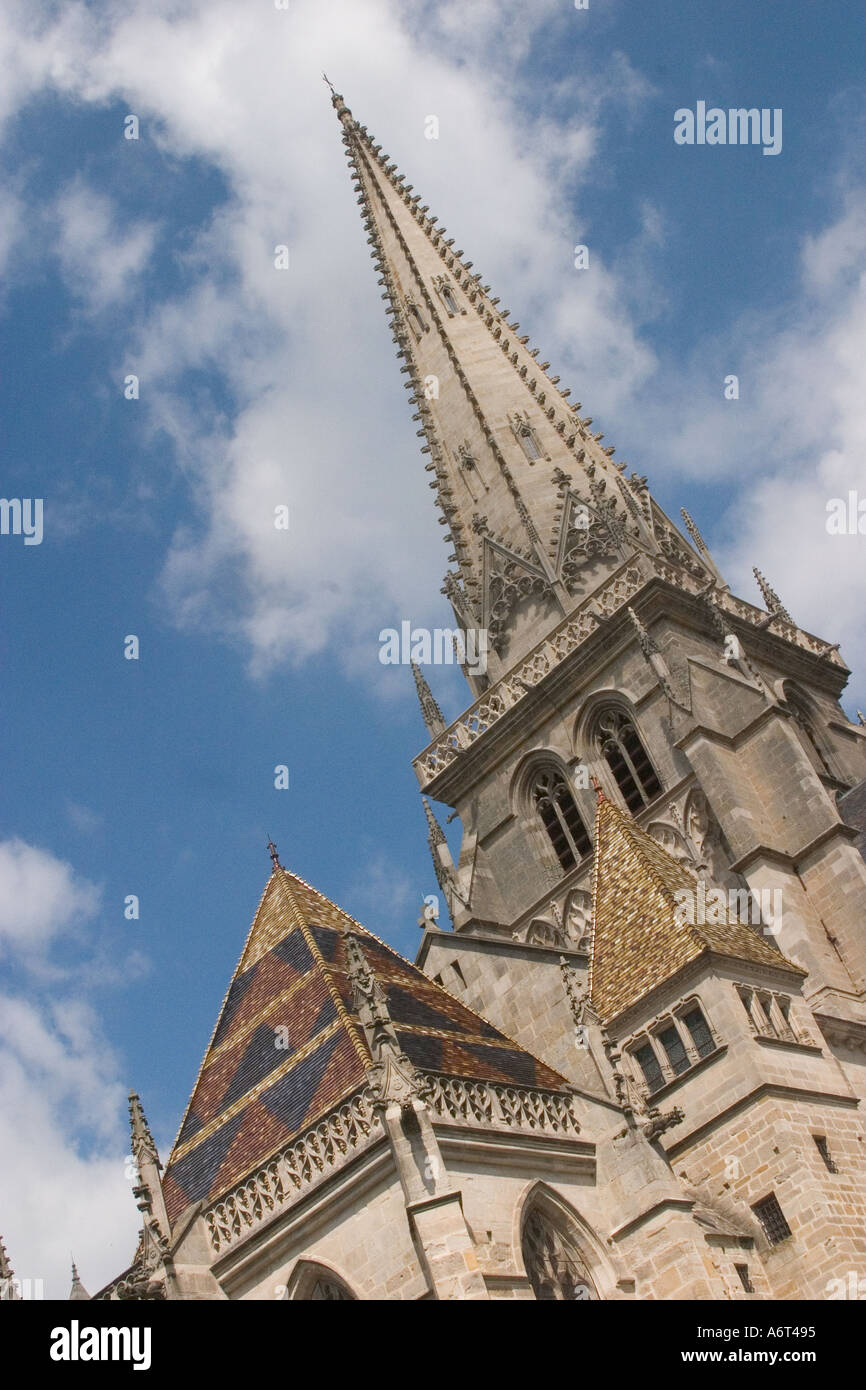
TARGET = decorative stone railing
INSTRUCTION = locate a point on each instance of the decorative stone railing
(758, 618)
(494, 703)
(331, 1143)
(478, 1102)
(324, 1148)
(615, 594)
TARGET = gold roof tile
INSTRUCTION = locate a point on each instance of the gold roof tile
(639, 939)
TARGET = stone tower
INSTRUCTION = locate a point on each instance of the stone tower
(635, 1066)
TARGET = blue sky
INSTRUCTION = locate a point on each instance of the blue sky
(155, 256)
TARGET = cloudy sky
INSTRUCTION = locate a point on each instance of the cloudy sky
(155, 257)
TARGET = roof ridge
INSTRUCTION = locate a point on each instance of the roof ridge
(360, 1046)
(219, 1015)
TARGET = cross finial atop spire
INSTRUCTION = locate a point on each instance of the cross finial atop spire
(78, 1292)
(330, 84)
(275, 855)
(599, 792)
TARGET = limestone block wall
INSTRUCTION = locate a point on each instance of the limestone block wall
(367, 1244)
(770, 1148)
(752, 1113)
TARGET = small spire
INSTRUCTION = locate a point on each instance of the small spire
(771, 598)
(78, 1292)
(691, 527)
(436, 833)
(599, 791)
(647, 645)
(443, 864)
(143, 1146)
(8, 1285)
(433, 716)
(700, 544)
(275, 856)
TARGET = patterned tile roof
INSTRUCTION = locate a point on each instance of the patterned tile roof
(253, 1096)
(638, 939)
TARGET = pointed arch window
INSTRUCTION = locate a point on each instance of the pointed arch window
(526, 436)
(560, 817)
(556, 1269)
(529, 443)
(313, 1282)
(445, 290)
(329, 1290)
(810, 737)
(628, 760)
(415, 318)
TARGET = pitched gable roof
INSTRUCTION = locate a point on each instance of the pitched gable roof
(639, 940)
(253, 1096)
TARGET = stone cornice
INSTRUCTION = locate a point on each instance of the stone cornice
(766, 1089)
(498, 706)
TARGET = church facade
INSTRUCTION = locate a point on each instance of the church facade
(635, 1068)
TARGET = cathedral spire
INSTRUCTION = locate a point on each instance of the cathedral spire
(536, 511)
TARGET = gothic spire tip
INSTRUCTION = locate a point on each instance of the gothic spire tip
(275, 855)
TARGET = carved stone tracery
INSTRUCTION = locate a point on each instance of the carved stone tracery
(556, 1268)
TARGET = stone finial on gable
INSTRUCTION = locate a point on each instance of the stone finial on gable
(392, 1076)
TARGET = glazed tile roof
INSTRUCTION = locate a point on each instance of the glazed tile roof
(252, 1097)
(637, 940)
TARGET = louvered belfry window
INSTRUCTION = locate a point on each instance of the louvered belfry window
(560, 817)
(628, 760)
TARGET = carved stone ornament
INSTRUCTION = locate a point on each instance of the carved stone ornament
(394, 1081)
(656, 1124)
(509, 584)
(145, 1279)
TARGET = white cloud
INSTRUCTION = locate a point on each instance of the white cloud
(59, 1191)
(99, 257)
(383, 895)
(40, 897)
(794, 439)
(58, 1080)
